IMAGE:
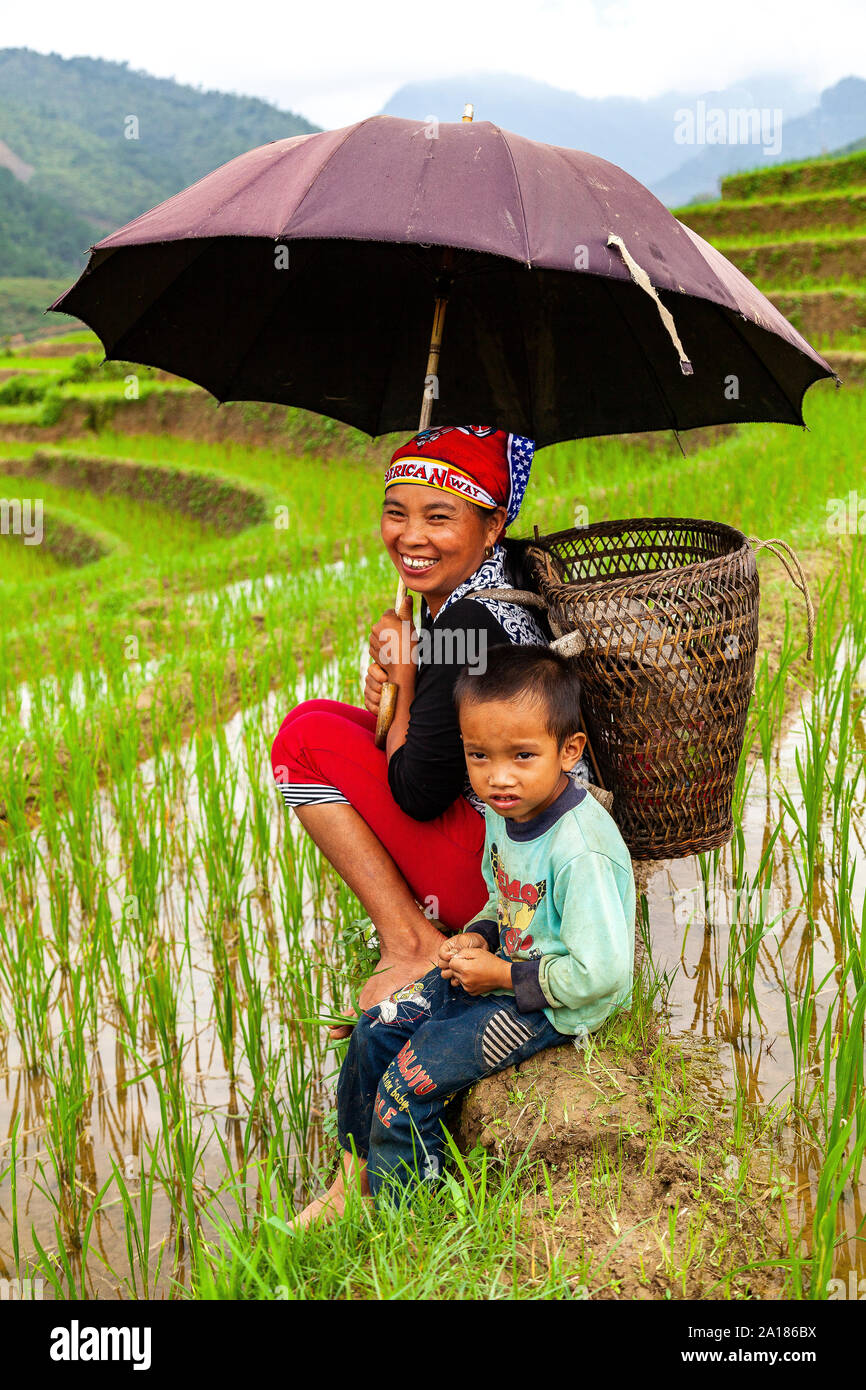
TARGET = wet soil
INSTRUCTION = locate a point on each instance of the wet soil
(585, 1116)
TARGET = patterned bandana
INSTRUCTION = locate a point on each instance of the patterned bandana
(486, 466)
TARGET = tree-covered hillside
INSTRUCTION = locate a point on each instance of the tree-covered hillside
(106, 143)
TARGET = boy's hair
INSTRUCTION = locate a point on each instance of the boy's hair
(514, 672)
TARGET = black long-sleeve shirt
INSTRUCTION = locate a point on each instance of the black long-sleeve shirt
(429, 772)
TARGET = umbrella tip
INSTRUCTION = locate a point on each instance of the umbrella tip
(468, 111)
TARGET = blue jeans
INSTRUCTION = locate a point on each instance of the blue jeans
(410, 1054)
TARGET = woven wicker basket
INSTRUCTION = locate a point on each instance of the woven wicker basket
(666, 614)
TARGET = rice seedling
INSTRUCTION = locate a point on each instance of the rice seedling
(143, 1277)
(843, 1146)
(165, 927)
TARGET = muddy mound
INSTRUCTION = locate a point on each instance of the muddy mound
(633, 1172)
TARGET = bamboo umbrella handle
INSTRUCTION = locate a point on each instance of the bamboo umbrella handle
(388, 701)
(388, 698)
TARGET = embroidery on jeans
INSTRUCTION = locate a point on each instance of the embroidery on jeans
(409, 994)
(384, 1114)
(400, 1099)
(503, 1034)
(416, 1078)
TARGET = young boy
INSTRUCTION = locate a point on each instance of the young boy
(548, 958)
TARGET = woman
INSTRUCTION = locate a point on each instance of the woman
(401, 825)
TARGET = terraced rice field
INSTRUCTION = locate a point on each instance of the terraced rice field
(799, 232)
(170, 943)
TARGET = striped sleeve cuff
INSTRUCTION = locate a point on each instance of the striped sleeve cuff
(309, 794)
(527, 991)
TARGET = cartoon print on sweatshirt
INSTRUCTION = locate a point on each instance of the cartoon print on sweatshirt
(516, 908)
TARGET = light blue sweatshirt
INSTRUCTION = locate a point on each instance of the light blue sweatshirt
(561, 907)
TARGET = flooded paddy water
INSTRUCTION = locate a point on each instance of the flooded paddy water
(210, 962)
(748, 962)
(166, 951)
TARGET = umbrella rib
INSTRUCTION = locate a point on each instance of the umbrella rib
(529, 378)
(404, 252)
(530, 381)
(170, 285)
(322, 167)
(519, 195)
(225, 393)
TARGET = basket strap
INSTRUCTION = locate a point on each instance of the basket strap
(799, 583)
(511, 596)
(569, 643)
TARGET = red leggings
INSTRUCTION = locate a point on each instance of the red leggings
(326, 744)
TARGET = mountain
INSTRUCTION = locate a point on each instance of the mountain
(38, 236)
(839, 119)
(638, 135)
(95, 143)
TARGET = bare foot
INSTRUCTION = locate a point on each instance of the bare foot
(333, 1205)
(395, 972)
(338, 1031)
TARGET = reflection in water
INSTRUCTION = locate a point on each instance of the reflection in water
(217, 928)
(216, 936)
(711, 929)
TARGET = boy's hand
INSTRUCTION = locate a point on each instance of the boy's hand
(479, 971)
(464, 940)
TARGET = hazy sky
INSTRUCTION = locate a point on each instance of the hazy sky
(336, 61)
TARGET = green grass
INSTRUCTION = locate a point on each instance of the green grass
(758, 200)
(825, 172)
(167, 941)
(784, 237)
(31, 363)
(23, 300)
(838, 342)
(840, 289)
(147, 528)
(21, 414)
(109, 390)
(24, 565)
(79, 335)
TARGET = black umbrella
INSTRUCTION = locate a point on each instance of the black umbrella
(306, 270)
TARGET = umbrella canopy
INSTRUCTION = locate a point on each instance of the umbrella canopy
(305, 272)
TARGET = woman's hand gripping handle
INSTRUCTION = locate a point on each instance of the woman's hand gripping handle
(391, 652)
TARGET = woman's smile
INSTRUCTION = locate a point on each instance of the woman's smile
(418, 564)
(414, 516)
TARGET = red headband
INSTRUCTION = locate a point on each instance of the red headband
(477, 462)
